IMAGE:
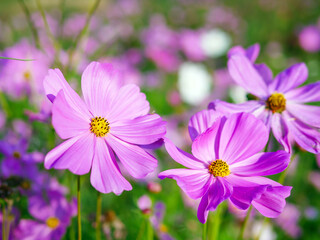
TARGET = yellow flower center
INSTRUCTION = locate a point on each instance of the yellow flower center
(219, 168)
(27, 75)
(52, 222)
(276, 102)
(16, 155)
(99, 126)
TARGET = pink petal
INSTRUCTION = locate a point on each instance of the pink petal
(244, 74)
(194, 183)
(280, 131)
(201, 121)
(310, 115)
(105, 173)
(265, 72)
(230, 108)
(137, 161)
(74, 154)
(242, 136)
(219, 191)
(272, 201)
(307, 93)
(54, 82)
(205, 146)
(289, 78)
(128, 104)
(262, 164)
(100, 83)
(141, 130)
(307, 137)
(184, 158)
(67, 121)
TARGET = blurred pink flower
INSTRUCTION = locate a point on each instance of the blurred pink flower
(309, 39)
(288, 220)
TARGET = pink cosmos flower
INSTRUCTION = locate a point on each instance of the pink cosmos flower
(279, 104)
(309, 38)
(226, 163)
(112, 120)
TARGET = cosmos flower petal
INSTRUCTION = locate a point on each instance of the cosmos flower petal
(141, 130)
(251, 52)
(243, 73)
(201, 121)
(193, 182)
(230, 108)
(242, 136)
(182, 157)
(105, 173)
(206, 145)
(137, 161)
(128, 104)
(265, 72)
(310, 115)
(219, 191)
(272, 201)
(307, 137)
(203, 212)
(75, 154)
(307, 93)
(54, 82)
(67, 121)
(262, 164)
(280, 131)
(30, 229)
(289, 78)
(100, 84)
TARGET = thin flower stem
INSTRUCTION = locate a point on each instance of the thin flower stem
(98, 217)
(29, 20)
(141, 230)
(56, 44)
(79, 209)
(17, 59)
(150, 229)
(217, 222)
(4, 222)
(204, 232)
(244, 224)
(83, 31)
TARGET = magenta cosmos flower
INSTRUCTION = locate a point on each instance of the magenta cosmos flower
(279, 104)
(227, 164)
(112, 120)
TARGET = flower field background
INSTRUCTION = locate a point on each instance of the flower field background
(184, 58)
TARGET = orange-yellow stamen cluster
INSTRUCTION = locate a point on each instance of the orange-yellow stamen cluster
(99, 126)
(27, 75)
(16, 155)
(219, 168)
(276, 102)
(52, 222)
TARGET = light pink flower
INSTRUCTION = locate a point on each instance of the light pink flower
(112, 120)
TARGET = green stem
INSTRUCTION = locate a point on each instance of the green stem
(4, 104)
(244, 224)
(217, 222)
(48, 31)
(83, 31)
(284, 173)
(98, 217)
(141, 230)
(3, 222)
(29, 20)
(79, 209)
(204, 232)
(150, 229)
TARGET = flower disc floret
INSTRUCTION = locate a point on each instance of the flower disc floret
(276, 102)
(99, 126)
(219, 168)
(52, 222)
